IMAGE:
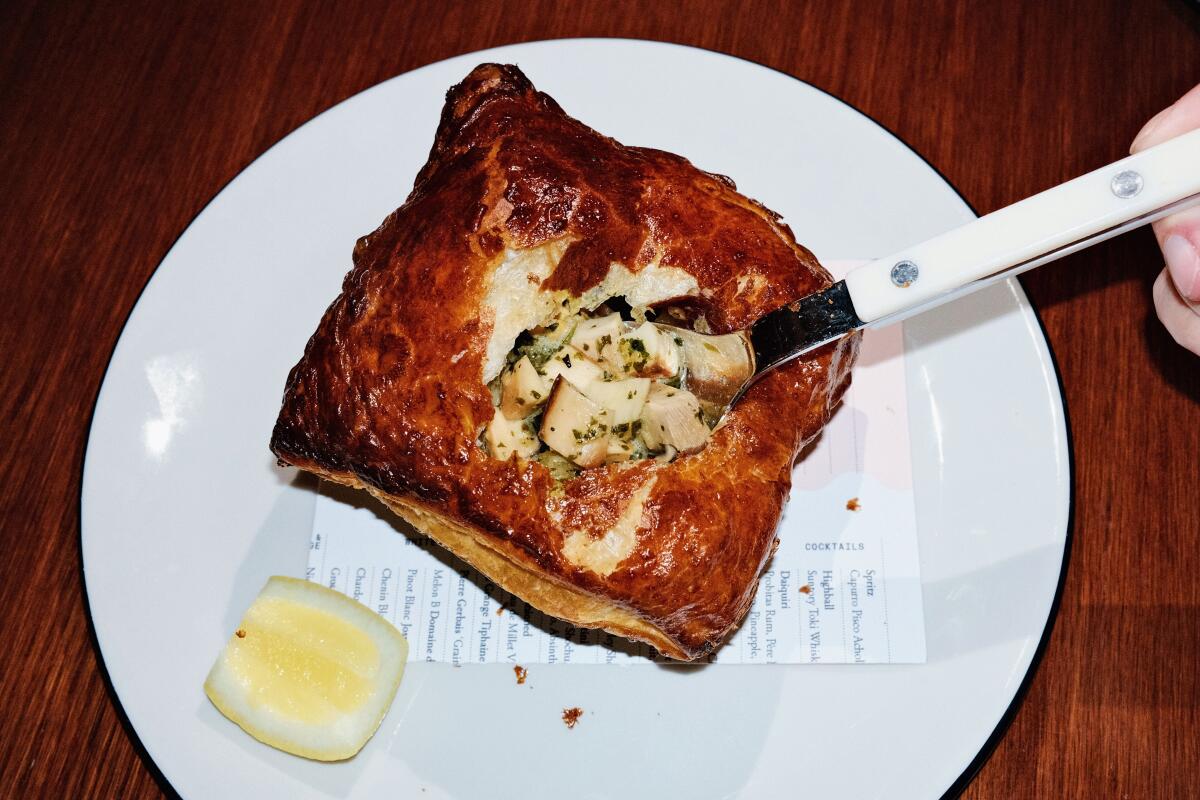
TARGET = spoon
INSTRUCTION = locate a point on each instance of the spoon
(1124, 195)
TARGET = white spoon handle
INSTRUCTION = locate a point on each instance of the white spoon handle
(1131, 192)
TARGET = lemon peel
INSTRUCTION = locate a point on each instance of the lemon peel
(308, 671)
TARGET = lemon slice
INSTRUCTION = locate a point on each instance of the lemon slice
(309, 670)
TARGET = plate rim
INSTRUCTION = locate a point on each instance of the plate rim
(986, 750)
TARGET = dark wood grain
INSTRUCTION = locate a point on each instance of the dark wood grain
(119, 121)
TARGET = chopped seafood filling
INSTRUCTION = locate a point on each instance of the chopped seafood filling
(592, 388)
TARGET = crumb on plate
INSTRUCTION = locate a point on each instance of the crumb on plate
(571, 716)
(853, 505)
(521, 673)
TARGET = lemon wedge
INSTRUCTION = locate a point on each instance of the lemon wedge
(308, 671)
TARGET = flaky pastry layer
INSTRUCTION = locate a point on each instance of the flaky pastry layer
(520, 207)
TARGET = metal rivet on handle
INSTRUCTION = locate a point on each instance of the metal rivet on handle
(1126, 184)
(904, 274)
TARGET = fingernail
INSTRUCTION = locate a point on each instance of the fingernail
(1183, 262)
(1148, 129)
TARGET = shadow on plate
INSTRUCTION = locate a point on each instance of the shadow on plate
(993, 593)
(472, 731)
(676, 732)
(334, 778)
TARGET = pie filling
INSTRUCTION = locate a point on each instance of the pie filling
(610, 386)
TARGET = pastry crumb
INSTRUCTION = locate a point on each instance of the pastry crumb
(853, 505)
(806, 589)
(521, 673)
(571, 716)
(241, 634)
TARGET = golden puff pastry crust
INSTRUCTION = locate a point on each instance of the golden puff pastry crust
(519, 209)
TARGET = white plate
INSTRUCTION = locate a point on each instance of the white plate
(184, 513)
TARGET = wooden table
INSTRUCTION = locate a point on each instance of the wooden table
(119, 121)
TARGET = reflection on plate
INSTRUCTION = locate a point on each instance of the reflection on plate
(185, 514)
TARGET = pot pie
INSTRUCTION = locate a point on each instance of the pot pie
(521, 365)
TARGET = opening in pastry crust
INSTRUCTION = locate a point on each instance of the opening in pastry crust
(607, 384)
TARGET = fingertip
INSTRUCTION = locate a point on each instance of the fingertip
(1183, 264)
(1181, 322)
(1161, 286)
